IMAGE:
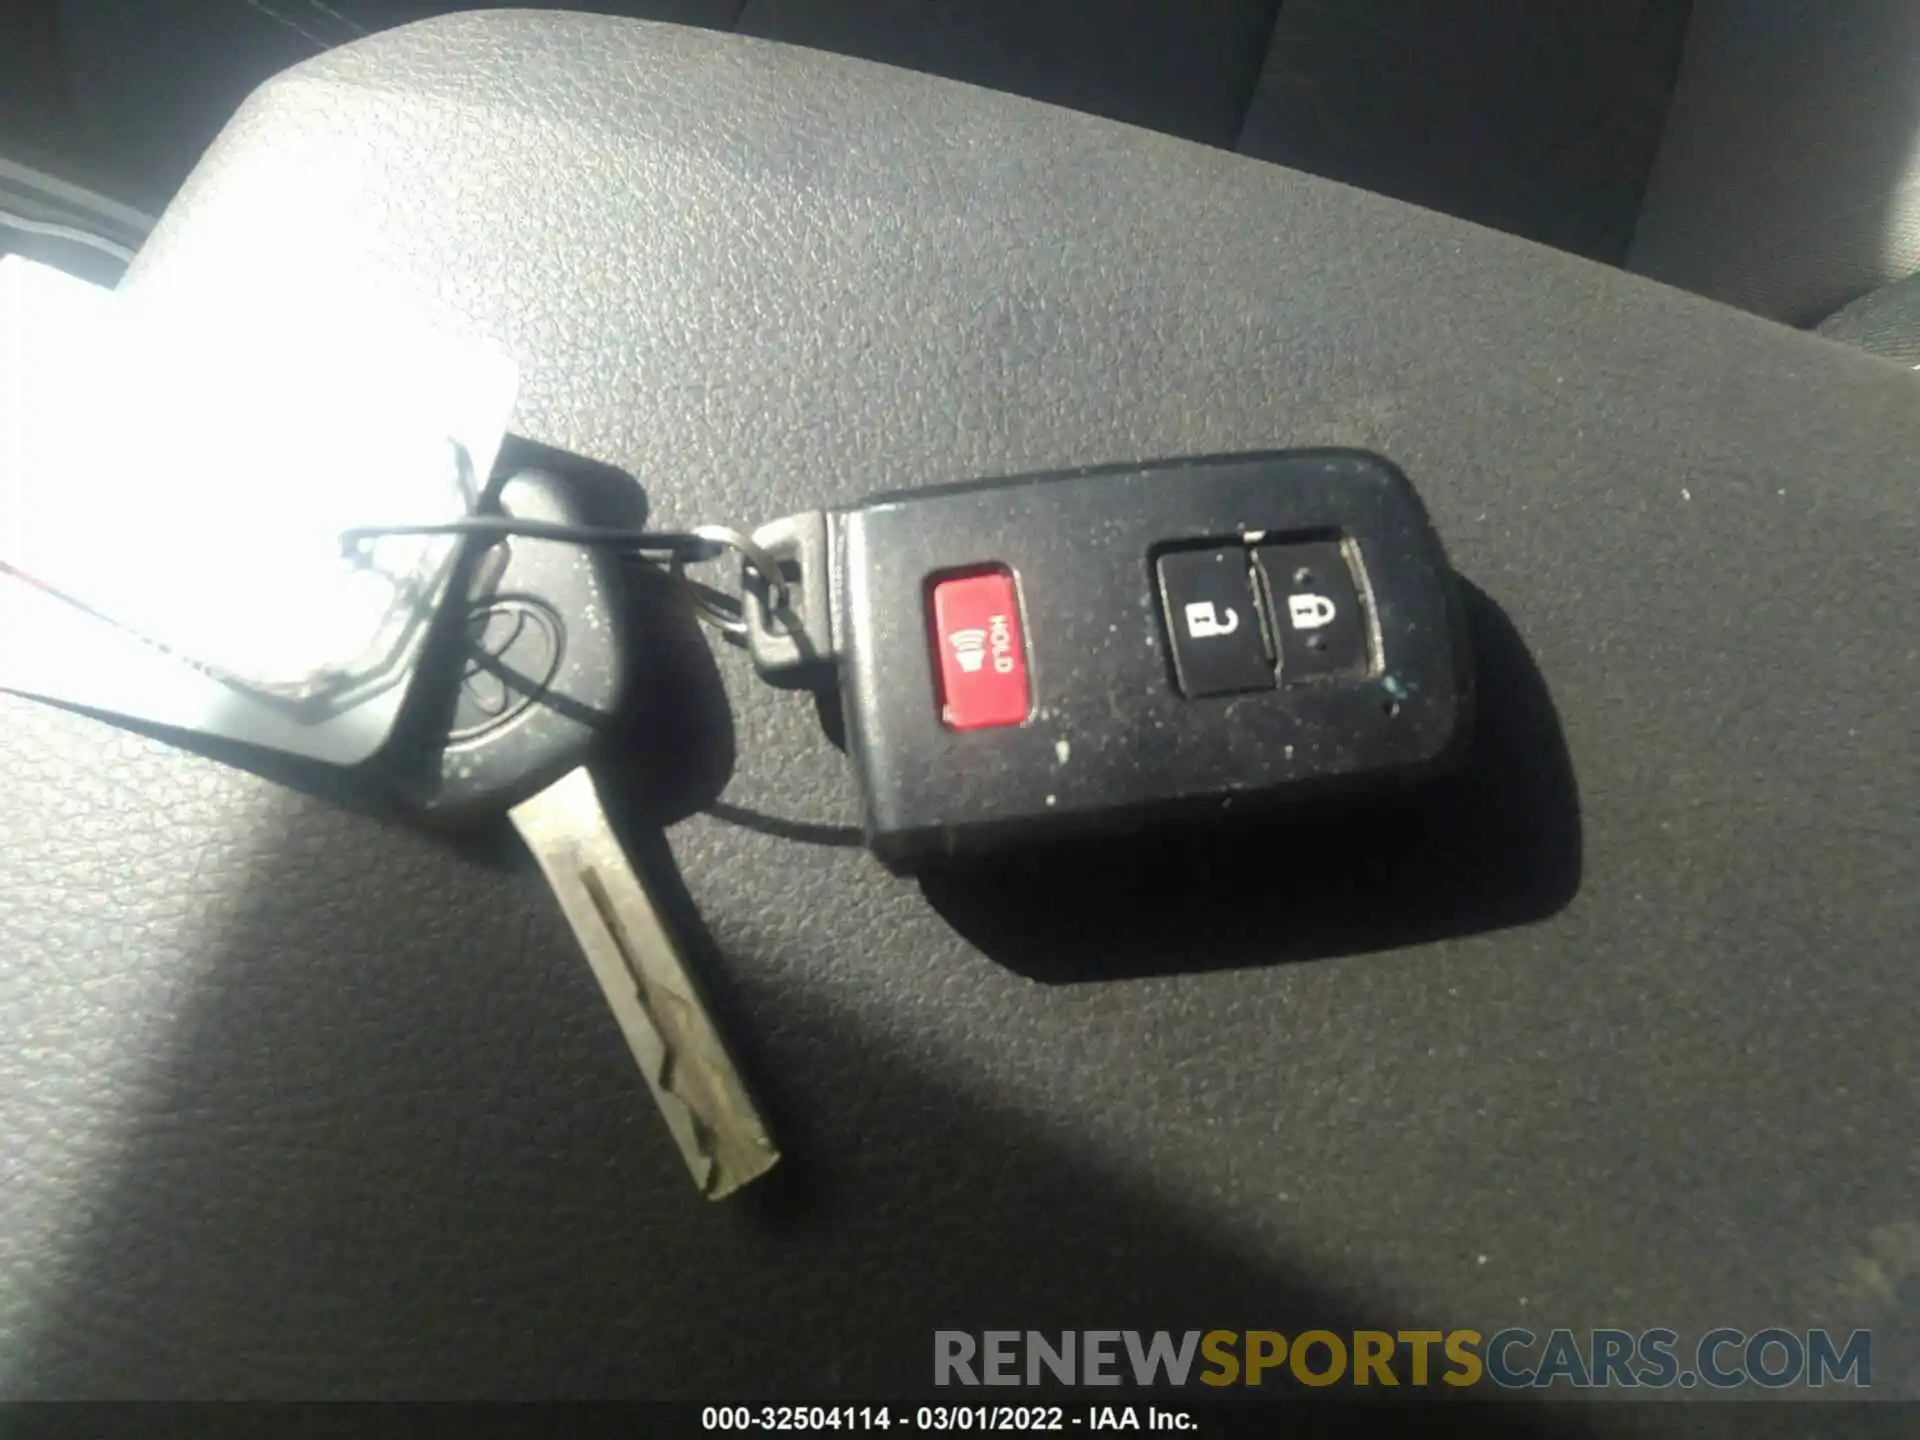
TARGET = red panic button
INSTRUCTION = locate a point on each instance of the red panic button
(982, 657)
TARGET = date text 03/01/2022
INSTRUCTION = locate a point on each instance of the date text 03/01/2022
(934, 1419)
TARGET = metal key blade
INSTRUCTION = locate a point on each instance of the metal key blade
(640, 968)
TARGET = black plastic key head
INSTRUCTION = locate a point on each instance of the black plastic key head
(519, 686)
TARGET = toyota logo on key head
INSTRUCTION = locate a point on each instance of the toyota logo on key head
(513, 652)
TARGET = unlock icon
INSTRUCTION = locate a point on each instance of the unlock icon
(1204, 622)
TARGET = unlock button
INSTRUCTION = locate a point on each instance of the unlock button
(1213, 622)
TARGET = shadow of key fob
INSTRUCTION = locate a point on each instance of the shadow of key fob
(1025, 658)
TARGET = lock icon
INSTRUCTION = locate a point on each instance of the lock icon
(1204, 622)
(1309, 612)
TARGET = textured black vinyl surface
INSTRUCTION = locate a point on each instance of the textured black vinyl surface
(1186, 67)
(1885, 322)
(1539, 119)
(1616, 1031)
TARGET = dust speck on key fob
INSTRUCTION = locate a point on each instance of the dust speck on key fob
(1029, 657)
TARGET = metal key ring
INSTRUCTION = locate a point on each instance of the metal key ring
(755, 557)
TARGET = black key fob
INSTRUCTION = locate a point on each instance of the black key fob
(1098, 649)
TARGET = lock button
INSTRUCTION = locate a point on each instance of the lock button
(1213, 622)
(1317, 612)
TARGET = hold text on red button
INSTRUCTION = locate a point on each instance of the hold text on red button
(982, 656)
